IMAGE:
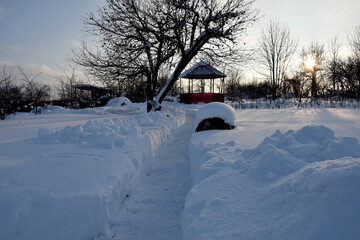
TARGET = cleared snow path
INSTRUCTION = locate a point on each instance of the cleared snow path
(153, 210)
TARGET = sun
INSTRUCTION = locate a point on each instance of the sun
(310, 62)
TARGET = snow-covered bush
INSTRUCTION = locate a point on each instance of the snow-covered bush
(214, 115)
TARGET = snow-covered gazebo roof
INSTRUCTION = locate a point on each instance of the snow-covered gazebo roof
(202, 70)
(88, 87)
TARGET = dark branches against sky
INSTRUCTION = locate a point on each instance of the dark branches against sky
(142, 38)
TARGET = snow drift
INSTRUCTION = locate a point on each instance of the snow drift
(66, 183)
(301, 184)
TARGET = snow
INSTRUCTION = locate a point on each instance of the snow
(119, 101)
(294, 184)
(66, 183)
(215, 110)
(116, 172)
(153, 210)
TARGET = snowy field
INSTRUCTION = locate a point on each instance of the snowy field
(119, 173)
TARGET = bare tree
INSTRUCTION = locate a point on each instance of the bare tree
(67, 93)
(233, 85)
(354, 41)
(350, 72)
(333, 67)
(34, 91)
(313, 58)
(274, 53)
(136, 41)
(212, 28)
(10, 94)
(146, 37)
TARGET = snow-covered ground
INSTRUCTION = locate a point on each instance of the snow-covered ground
(280, 174)
(67, 182)
(119, 173)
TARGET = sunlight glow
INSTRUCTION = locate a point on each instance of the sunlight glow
(309, 62)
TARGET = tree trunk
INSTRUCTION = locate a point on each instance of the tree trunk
(313, 84)
(149, 93)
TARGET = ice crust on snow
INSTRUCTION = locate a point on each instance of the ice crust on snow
(66, 183)
(215, 110)
(301, 184)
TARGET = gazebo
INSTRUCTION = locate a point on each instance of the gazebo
(202, 71)
(95, 91)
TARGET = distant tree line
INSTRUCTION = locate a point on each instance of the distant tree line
(322, 73)
(21, 93)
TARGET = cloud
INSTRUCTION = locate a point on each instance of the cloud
(11, 47)
(16, 49)
(46, 73)
(5, 63)
(44, 69)
(74, 43)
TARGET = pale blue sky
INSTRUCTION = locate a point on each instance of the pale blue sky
(39, 34)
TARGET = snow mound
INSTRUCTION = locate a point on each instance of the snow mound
(320, 201)
(215, 110)
(285, 153)
(301, 184)
(118, 102)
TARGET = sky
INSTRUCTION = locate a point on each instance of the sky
(38, 35)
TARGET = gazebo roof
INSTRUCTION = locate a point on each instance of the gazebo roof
(202, 70)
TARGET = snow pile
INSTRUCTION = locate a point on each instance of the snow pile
(215, 110)
(118, 102)
(285, 153)
(65, 184)
(301, 184)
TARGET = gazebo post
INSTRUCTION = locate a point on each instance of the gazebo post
(192, 85)
(189, 86)
(222, 85)
(213, 85)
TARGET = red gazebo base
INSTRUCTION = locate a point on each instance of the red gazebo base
(193, 98)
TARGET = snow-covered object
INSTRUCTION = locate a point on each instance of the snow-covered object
(202, 70)
(301, 184)
(215, 110)
(66, 184)
(118, 102)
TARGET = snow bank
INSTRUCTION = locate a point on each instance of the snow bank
(215, 110)
(65, 184)
(301, 184)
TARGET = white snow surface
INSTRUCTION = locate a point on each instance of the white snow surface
(67, 183)
(118, 102)
(215, 110)
(118, 173)
(293, 184)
